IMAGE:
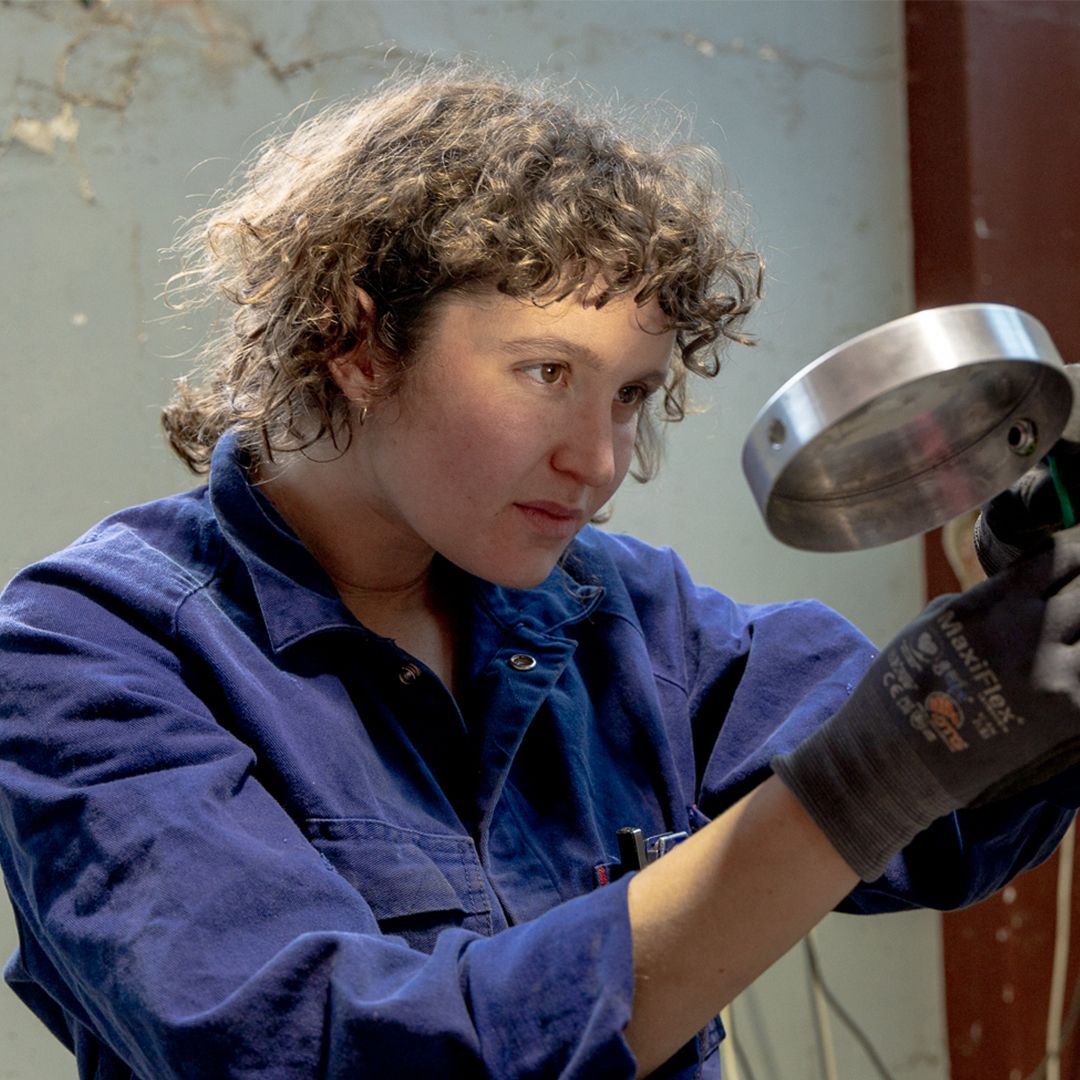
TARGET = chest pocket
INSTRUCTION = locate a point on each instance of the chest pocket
(416, 884)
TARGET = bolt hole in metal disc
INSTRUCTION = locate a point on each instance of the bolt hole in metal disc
(906, 426)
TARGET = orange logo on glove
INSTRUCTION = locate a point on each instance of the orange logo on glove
(946, 718)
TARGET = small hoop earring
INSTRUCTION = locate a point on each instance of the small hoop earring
(362, 417)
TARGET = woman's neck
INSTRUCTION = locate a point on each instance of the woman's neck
(384, 578)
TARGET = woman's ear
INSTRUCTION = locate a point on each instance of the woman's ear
(354, 371)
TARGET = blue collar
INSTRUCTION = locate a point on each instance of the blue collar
(297, 598)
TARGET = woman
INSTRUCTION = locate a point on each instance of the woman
(319, 770)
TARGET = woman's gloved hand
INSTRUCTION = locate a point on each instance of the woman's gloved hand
(977, 699)
(1020, 519)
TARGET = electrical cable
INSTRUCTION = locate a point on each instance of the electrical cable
(743, 1060)
(1059, 1039)
(1061, 953)
(734, 1063)
(728, 1054)
(821, 1016)
(1057, 1032)
(1051, 1063)
(734, 1058)
(1068, 513)
(844, 1017)
(1039, 1072)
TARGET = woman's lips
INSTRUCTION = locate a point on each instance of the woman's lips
(552, 519)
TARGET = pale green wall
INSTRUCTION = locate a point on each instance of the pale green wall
(106, 112)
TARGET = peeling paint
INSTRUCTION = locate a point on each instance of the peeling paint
(283, 72)
(98, 68)
(98, 64)
(702, 45)
(41, 136)
(796, 65)
(880, 68)
(124, 74)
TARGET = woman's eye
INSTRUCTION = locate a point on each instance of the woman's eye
(632, 395)
(547, 373)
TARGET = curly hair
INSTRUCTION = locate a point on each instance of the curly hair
(434, 183)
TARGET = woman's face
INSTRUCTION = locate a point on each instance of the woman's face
(515, 425)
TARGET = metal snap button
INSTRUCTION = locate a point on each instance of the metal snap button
(522, 662)
(409, 673)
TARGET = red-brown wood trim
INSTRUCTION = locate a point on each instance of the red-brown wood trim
(994, 130)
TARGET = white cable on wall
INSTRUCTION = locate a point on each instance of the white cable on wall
(842, 1014)
(728, 1062)
(821, 1013)
(1061, 953)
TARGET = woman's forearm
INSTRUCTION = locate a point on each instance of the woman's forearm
(718, 910)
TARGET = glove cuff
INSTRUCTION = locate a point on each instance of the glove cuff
(864, 787)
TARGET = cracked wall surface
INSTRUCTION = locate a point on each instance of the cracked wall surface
(119, 118)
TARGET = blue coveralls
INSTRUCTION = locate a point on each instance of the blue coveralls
(245, 837)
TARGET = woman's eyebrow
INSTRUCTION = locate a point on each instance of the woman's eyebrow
(563, 346)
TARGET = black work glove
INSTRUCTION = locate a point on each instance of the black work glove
(1022, 518)
(977, 699)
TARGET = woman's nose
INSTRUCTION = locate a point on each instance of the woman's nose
(589, 450)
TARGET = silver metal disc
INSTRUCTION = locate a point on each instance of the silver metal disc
(906, 426)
